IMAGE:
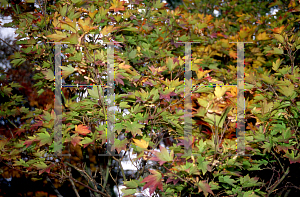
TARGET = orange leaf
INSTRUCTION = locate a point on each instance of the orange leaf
(278, 30)
(81, 129)
(117, 5)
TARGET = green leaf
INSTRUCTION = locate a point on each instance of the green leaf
(73, 39)
(86, 140)
(124, 105)
(20, 163)
(163, 156)
(17, 62)
(246, 181)
(279, 38)
(158, 4)
(48, 74)
(67, 70)
(40, 165)
(132, 54)
(127, 192)
(202, 164)
(132, 183)
(94, 92)
(44, 138)
(250, 194)
(133, 127)
(15, 85)
(227, 179)
(120, 145)
(287, 90)
(278, 51)
(201, 25)
(40, 92)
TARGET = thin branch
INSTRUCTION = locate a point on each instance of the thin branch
(122, 170)
(73, 185)
(54, 188)
(9, 44)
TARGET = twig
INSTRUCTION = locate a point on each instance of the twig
(73, 185)
(279, 181)
(9, 44)
(54, 188)
(122, 170)
(107, 173)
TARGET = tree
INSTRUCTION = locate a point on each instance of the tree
(149, 79)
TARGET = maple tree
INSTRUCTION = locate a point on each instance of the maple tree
(149, 84)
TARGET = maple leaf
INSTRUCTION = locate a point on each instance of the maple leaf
(117, 5)
(44, 138)
(163, 156)
(133, 127)
(81, 129)
(120, 145)
(202, 186)
(175, 181)
(29, 142)
(108, 29)
(141, 143)
(119, 78)
(153, 181)
(20, 131)
(47, 169)
(76, 140)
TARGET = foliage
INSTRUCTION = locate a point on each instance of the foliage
(149, 76)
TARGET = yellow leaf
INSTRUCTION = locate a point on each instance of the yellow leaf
(92, 14)
(57, 37)
(263, 36)
(108, 29)
(220, 91)
(201, 73)
(141, 143)
(243, 34)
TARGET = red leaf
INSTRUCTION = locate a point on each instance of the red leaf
(154, 181)
(119, 78)
(46, 169)
(20, 131)
(76, 140)
(175, 181)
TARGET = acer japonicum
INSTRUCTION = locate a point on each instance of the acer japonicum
(149, 76)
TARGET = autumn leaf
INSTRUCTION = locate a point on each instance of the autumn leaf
(202, 186)
(119, 78)
(220, 91)
(81, 129)
(141, 143)
(108, 29)
(163, 156)
(278, 30)
(117, 5)
(263, 36)
(76, 140)
(153, 181)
